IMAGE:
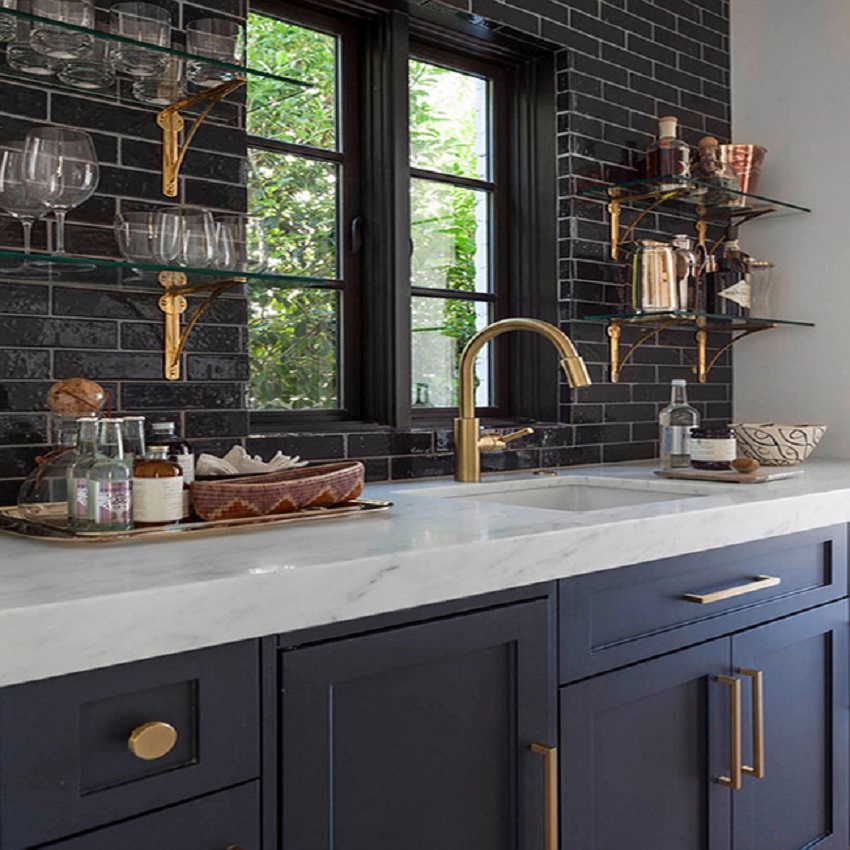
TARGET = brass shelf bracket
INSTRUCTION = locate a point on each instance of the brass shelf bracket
(615, 205)
(704, 365)
(173, 305)
(614, 331)
(172, 124)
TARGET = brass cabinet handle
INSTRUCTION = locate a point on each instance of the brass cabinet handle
(757, 680)
(152, 740)
(758, 583)
(550, 793)
(733, 781)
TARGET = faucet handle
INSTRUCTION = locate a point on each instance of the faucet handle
(497, 442)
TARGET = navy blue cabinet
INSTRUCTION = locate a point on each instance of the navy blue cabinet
(419, 737)
(739, 743)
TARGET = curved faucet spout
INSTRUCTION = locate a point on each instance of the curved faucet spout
(467, 438)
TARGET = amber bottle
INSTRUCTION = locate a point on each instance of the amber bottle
(157, 489)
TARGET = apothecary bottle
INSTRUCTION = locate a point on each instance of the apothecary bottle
(157, 489)
(165, 434)
(711, 169)
(686, 273)
(668, 158)
(78, 471)
(133, 432)
(109, 481)
(675, 423)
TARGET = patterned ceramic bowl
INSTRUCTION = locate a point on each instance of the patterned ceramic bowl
(278, 492)
(775, 444)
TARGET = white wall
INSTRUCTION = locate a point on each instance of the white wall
(791, 93)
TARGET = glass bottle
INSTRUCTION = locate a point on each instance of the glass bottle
(133, 432)
(675, 422)
(78, 483)
(43, 496)
(711, 169)
(165, 434)
(109, 481)
(686, 272)
(729, 289)
(668, 157)
(157, 489)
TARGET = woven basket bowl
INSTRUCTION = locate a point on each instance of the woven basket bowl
(776, 444)
(278, 492)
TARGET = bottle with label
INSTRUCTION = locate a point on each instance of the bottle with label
(668, 158)
(675, 423)
(165, 434)
(109, 481)
(78, 482)
(729, 288)
(157, 489)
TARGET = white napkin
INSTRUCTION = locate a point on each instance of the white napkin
(238, 462)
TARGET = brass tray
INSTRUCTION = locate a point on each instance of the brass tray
(53, 528)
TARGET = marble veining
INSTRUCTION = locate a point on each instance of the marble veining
(65, 607)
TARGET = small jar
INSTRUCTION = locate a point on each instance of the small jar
(712, 448)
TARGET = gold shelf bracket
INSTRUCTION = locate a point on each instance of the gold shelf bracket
(172, 124)
(614, 331)
(704, 365)
(615, 205)
(173, 305)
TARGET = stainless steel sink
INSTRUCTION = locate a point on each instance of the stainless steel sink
(572, 492)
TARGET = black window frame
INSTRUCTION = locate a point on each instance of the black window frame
(379, 395)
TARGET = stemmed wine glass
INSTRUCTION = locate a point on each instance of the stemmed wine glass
(16, 192)
(61, 166)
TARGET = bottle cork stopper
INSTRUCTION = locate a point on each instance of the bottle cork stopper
(708, 142)
(667, 126)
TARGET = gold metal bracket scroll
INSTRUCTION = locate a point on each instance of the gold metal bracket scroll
(704, 365)
(615, 205)
(614, 331)
(172, 124)
(173, 304)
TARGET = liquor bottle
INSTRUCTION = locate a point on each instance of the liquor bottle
(109, 481)
(157, 489)
(78, 482)
(686, 272)
(729, 289)
(165, 434)
(668, 158)
(133, 432)
(675, 423)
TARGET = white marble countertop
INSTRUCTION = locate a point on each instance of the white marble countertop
(65, 607)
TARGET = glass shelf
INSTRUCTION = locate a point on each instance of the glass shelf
(40, 268)
(652, 324)
(711, 321)
(694, 197)
(235, 70)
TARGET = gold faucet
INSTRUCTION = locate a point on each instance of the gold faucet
(468, 441)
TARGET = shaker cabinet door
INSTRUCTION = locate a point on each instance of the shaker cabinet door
(801, 801)
(419, 737)
(637, 770)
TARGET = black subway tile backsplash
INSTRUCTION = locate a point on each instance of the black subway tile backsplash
(622, 63)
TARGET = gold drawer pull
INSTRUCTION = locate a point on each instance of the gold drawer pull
(756, 678)
(550, 793)
(152, 740)
(733, 781)
(758, 583)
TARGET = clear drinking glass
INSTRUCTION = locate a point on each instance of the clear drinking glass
(185, 236)
(134, 232)
(214, 38)
(90, 72)
(146, 23)
(61, 165)
(8, 23)
(21, 56)
(16, 192)
(164, 89)
(240, 243)
(58, 42)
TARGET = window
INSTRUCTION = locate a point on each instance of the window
(389, 186)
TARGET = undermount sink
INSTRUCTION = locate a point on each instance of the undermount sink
(572, 493)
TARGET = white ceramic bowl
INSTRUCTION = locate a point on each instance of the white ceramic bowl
(775, 443)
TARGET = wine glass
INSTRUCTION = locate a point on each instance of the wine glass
(61, 166)
(16, 192)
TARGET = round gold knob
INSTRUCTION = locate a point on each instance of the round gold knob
(152, 740)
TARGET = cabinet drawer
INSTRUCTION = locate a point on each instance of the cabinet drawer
(67, 764)
(617, 617)
(229, 819)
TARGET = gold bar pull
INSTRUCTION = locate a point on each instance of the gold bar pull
(733, 781)
(758, 583)
(757, 679)
(550, 793)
